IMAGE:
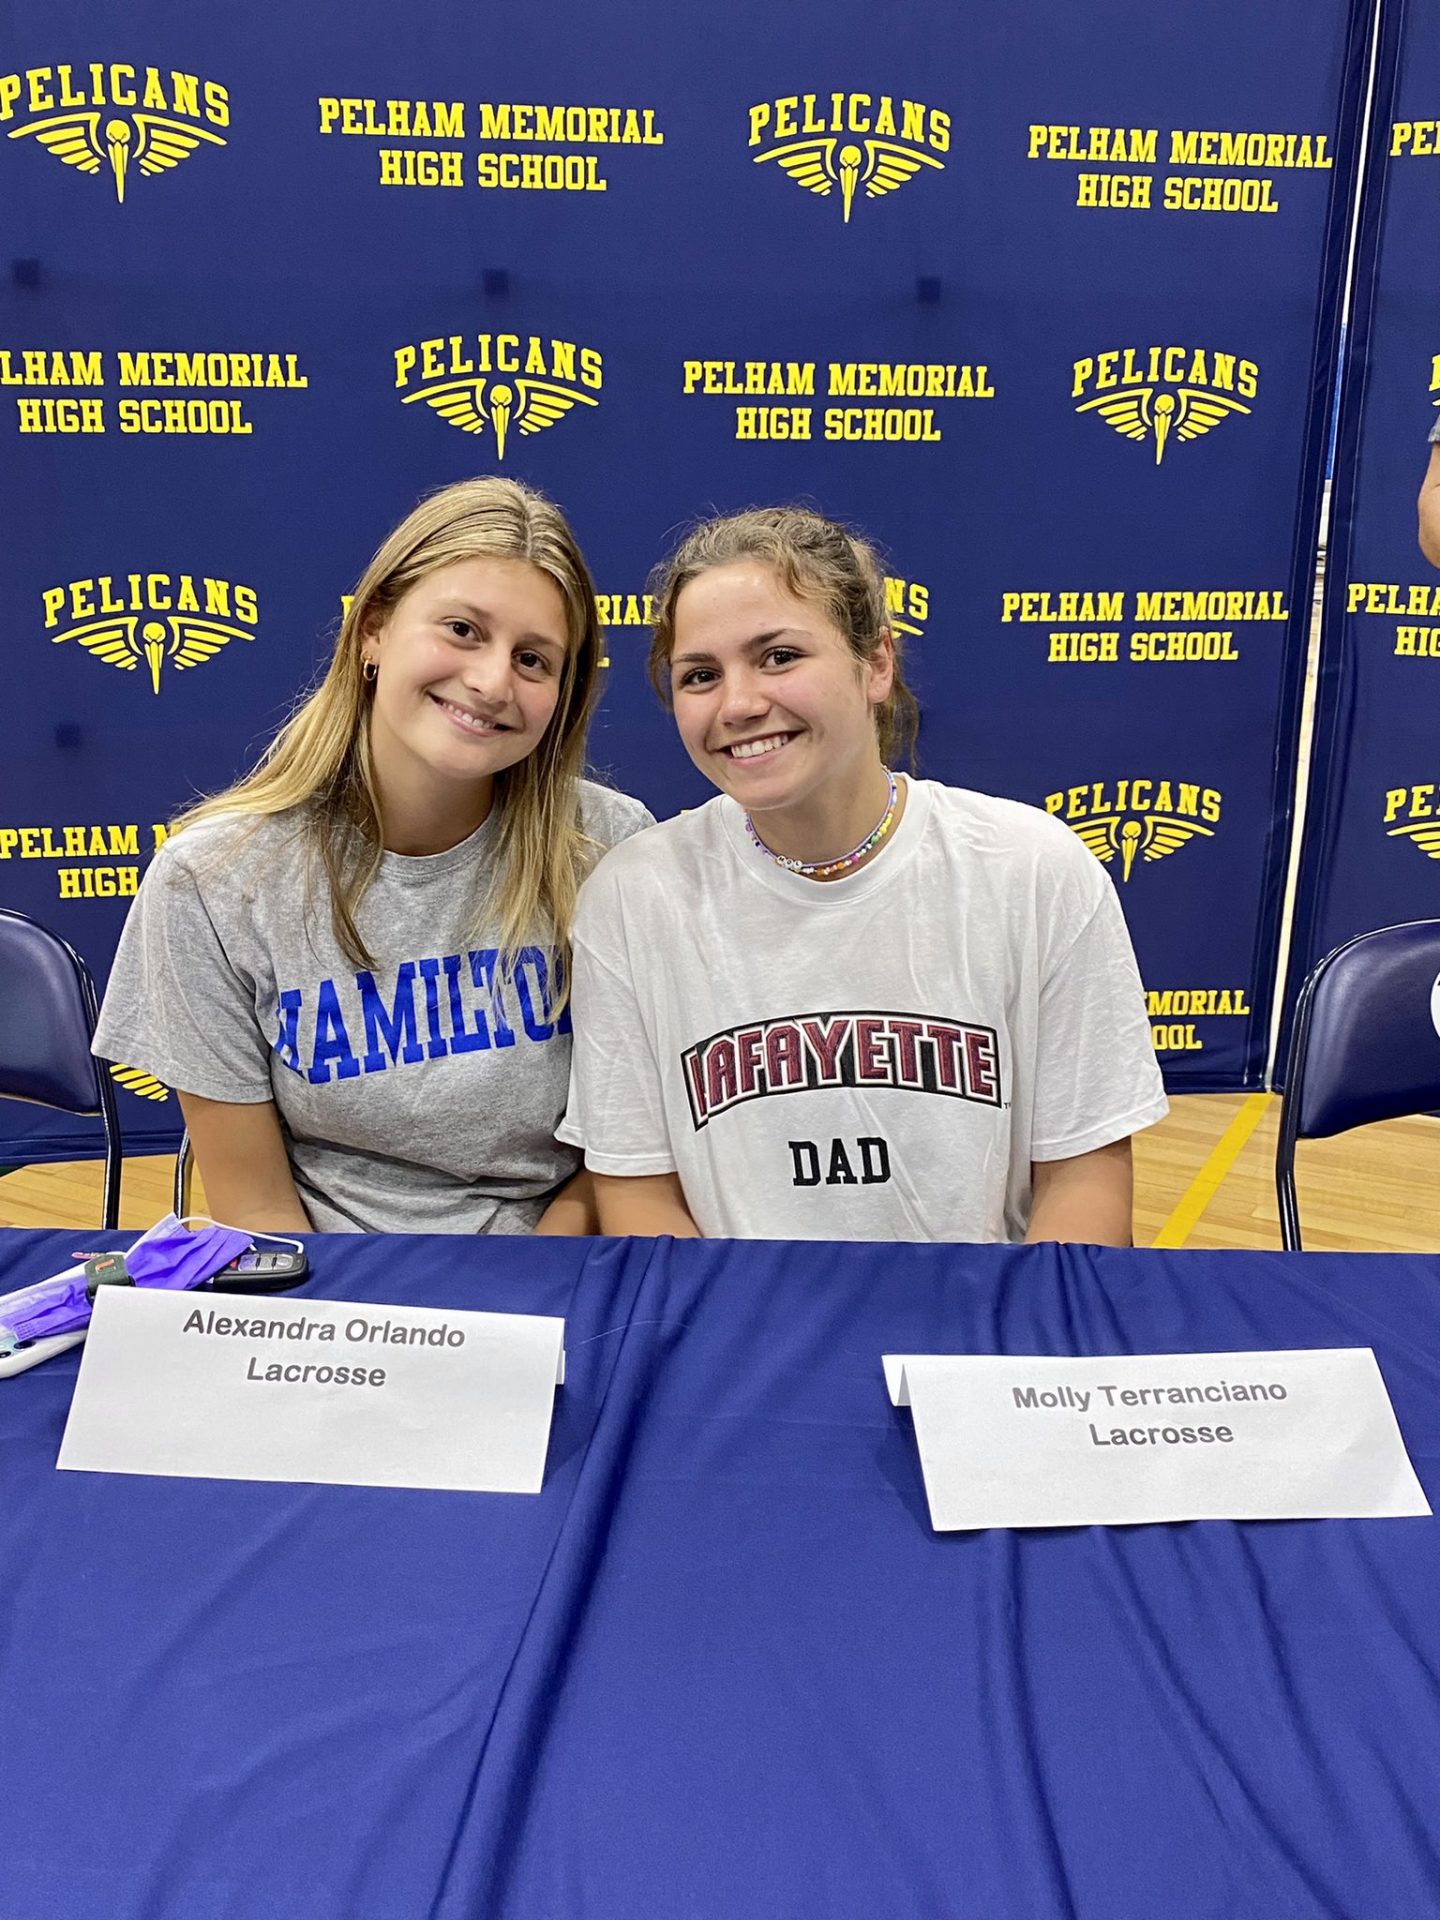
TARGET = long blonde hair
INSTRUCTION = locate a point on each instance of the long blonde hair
(321, 760)
(815, 559)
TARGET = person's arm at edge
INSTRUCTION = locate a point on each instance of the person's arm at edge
(572, 1211)
(645, 1205)
(240, 1152)
(1430, 509)
(1086, 1198)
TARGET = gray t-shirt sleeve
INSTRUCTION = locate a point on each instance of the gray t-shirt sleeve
(610, 817)
(177, 1004)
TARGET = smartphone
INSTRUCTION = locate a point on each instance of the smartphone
(34, 1351)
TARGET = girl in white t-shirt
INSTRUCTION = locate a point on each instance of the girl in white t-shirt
(836, 1002)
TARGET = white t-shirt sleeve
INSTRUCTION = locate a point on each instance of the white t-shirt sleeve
(616, 1109)
(1096, 1077)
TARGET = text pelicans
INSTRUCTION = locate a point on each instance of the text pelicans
(796, 115)
(456, 355)
(1170, 366)
(113, 84)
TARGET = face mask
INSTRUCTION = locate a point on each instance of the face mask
(167, 1255)
(173, 1255)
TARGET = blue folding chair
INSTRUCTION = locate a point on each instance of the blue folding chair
(48, 1011)
(1366, 1045)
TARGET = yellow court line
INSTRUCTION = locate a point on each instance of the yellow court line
(1202, 1189)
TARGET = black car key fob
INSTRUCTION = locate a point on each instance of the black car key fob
(263, 1270)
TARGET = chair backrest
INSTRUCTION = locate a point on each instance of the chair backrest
(47, 1016)
(48, 1011)
(1367, 1042)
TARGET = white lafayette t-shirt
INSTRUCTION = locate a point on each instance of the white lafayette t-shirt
(878, 1057)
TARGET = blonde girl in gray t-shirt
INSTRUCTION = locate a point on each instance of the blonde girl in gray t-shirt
(351, 966)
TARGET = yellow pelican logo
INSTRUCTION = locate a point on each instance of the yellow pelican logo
(180, 640)
(1424, 834)
(849, 140)
(822, 165)
(1181, 414)
(149, 142)
(143, 1085)
(518, 404)
(1149, 837)
(907, 607)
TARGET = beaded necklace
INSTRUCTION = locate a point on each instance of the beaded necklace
(822, 869)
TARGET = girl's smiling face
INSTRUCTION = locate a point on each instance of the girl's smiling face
(773, 705)
(469, 665)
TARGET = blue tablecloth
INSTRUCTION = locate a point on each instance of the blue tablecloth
(721, 1667)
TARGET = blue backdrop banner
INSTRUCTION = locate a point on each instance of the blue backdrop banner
(1373, 824)
(1042, 297)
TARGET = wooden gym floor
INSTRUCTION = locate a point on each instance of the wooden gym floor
(1203, 1178)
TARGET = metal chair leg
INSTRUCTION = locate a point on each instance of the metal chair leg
(184, 1170)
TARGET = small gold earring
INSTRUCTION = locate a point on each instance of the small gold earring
(370, 670)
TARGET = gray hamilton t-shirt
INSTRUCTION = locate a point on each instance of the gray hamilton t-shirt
(421, 1096)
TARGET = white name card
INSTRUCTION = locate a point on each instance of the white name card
(238, 1387)
(1017, 1441)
